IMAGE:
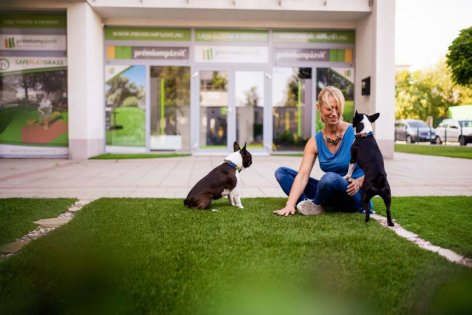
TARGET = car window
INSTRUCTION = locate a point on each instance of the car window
(417, 124)
(465, 123)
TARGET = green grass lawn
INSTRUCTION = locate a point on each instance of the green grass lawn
(131, 121)
(13, 120)
(437, 150)
(153, 256)
(444, 221)
(18, 214)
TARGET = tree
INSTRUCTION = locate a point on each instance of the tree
(459, 58)
(430, 92)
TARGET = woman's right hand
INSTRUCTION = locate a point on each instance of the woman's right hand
(285, 211)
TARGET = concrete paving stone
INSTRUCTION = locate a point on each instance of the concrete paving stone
(13, 247)
(53, 222)
(450, 255)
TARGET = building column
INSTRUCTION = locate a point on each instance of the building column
(85, 82)
(385, 75)
(375, 58)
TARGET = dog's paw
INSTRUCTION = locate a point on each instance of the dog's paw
(348, 178)
(240, 206)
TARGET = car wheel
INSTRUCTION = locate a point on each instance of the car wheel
(409, 139)
(462, 140)
(437, 140)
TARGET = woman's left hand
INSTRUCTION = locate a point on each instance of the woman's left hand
(353, 187)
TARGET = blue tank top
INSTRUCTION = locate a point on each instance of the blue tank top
(337, 162)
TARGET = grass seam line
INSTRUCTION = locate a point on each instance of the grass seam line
(14, 247)
(415, 239)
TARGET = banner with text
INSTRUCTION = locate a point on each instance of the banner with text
(33, 42)
(302, 54)
(335, 37)
(146, 33)
(232, 54)
(158, 53)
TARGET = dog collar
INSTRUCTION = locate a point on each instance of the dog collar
(232, 165)
(364, 134)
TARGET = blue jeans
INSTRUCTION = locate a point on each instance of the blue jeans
(329, 191)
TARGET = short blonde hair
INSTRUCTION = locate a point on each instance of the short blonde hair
(323, 98)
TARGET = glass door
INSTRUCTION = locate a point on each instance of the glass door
(230, 106)
(213, 110)
(249, 96)
(170, 108)
(292, 108)
(343, 79)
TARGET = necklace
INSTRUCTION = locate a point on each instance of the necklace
(335, 141)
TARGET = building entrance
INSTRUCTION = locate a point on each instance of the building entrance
(231, 106)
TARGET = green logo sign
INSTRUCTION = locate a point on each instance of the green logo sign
(146, 33)
(4, 64)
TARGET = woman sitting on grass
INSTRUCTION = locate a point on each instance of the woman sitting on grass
(332, 145)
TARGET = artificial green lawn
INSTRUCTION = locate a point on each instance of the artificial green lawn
(18, 214)
(436, 150)
(13, 120)
(131, 120)
(445, 221)
(153, 256)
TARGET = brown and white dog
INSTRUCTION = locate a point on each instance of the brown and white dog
(221, 181)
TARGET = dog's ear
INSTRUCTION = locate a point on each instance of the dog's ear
(244, 148)
(373, 117)
(236, 146)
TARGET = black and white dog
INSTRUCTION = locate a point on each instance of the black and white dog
(366, 153)
(221, 181)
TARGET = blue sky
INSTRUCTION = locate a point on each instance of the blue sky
(136, 74)
(424, 29)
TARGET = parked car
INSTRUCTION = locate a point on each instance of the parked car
(413, 130)
(452, 130)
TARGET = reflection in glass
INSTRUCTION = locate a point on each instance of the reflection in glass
(291, 108)
(249, 88)
(213, 109)
(125, 106)
(343, 79)
(170, 108)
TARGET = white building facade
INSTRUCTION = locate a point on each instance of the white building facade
(82, 78)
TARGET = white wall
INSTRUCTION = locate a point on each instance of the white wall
(85, 82)
(375, 58)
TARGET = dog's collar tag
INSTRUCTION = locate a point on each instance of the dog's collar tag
(364, 134)
(232, 165)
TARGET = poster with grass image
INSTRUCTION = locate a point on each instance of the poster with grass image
(33, 85)
(33, 103)
(125, 106)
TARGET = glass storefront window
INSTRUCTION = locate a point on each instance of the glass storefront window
(170, 108)
(213, 109)
(343, 79)
(125, 106)
(291, 110)
(249, 86)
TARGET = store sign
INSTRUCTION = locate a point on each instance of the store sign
(144, 33)
(301, 54)
(231, 54)
(346, 37)
(205, 35)
(33, 21)
(23, 64)
(33, 42)
(159, 53)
